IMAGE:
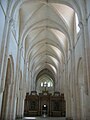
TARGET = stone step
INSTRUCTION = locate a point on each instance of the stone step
(43, 118)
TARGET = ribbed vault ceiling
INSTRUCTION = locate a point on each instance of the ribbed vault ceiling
(45, 34)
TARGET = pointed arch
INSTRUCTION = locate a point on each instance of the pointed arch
(8, 89)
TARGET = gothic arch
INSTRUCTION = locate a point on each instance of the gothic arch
(80, 88)
(8, 90)
(73, 4)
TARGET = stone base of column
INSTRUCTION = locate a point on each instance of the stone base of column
(69, 118)
(88, 118)
(19, 117)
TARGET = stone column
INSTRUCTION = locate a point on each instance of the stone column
(5, 46)
(66, 87)
(8, 105)
(18, 106)
(17, 82)
(64, 79)
(21, 105)
(29, 81)
(85, 52)
(87, 64)
(73, 82)
(12, 102)
(1, 96)
(59, 79)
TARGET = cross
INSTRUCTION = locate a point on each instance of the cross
(45, 85)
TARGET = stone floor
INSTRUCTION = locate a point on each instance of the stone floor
(42, 118)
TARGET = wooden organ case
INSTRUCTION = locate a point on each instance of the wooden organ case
(54, 105)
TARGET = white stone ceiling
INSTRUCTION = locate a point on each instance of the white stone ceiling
(45, 30)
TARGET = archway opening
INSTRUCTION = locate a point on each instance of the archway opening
(7, 108)
(80, 91)
(6, 91)
(45, 81)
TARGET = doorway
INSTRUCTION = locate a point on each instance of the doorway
(44, 110)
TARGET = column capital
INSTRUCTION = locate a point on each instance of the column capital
(80, 24)
(9, 19)
(83, 23)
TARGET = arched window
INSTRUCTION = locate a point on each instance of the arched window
(45, 83)
(77, 23)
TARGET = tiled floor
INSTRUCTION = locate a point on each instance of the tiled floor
(42, 118)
